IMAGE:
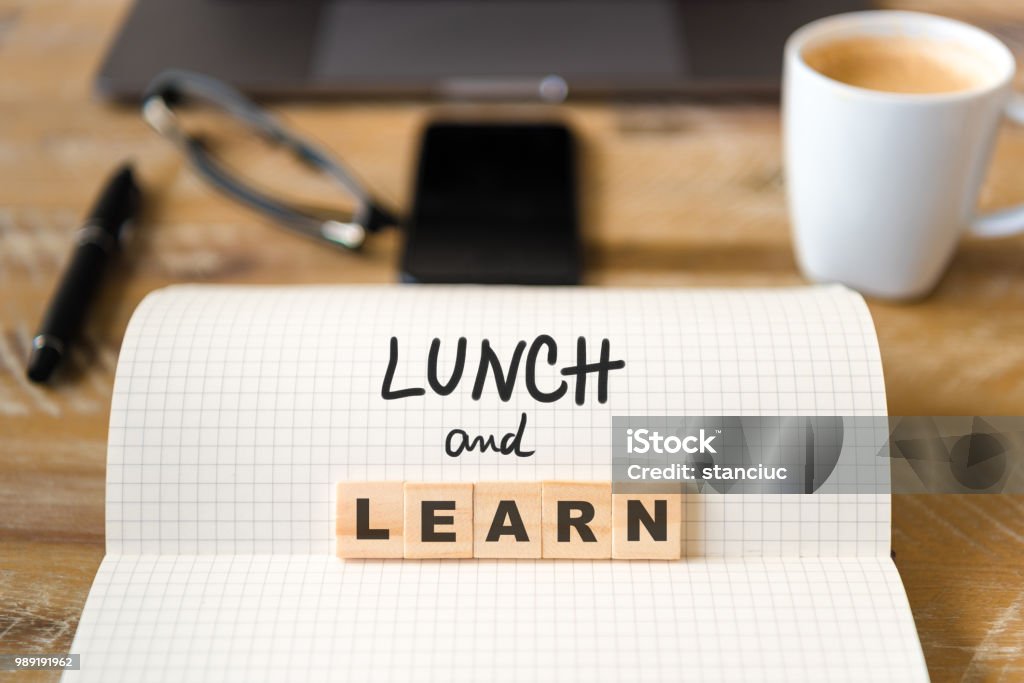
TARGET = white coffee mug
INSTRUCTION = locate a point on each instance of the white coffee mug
(882, 185)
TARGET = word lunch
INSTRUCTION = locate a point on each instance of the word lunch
(537, 358)
(505, 519)
(504, 375)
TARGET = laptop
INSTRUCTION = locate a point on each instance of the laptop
(477, 49)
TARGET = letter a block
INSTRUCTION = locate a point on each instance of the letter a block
(577, 520)
(507, 519)
(370, 519)
(438, 520)
(647, 526)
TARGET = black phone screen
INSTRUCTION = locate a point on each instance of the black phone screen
(494, 204)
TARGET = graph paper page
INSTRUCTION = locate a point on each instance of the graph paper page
(237, 409)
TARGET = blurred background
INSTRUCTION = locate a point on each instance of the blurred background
(674, 190)
(680, 184)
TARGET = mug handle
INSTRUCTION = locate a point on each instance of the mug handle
(1009, 221)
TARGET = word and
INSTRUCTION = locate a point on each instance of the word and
(506, 519)
(649, 441)
(459, 441)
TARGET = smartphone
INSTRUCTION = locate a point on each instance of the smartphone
(494, 204)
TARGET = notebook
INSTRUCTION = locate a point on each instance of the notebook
(237, 410)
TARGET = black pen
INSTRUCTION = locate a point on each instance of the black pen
(98, 241)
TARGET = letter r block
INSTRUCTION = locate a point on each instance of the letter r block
(438, 520)
(647, 526)
(370, 519)
(577, 520)
(507, 519)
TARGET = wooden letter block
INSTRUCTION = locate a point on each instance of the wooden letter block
(577, 520)
(370, 519)
(438, 520)
(647, 526)
(507, 519)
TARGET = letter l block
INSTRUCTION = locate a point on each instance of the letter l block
(382, 519)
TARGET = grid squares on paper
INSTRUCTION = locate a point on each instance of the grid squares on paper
(237, 409)
(314, 618)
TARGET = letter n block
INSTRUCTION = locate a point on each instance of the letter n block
(647, 526)
(438, 520)
(577, 520)
(507, 519)
(370, 519)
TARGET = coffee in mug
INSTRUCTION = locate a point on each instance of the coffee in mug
(889, 122)
(900, 64)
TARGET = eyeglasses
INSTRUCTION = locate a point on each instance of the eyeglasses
(175, 88)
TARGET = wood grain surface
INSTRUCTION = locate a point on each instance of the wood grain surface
(673, 193)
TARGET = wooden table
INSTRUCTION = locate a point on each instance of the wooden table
(673, 194)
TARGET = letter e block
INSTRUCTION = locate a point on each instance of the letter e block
(647, 526)
(438, 520)
(507, 519)
(577, 520)
(370, 519)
